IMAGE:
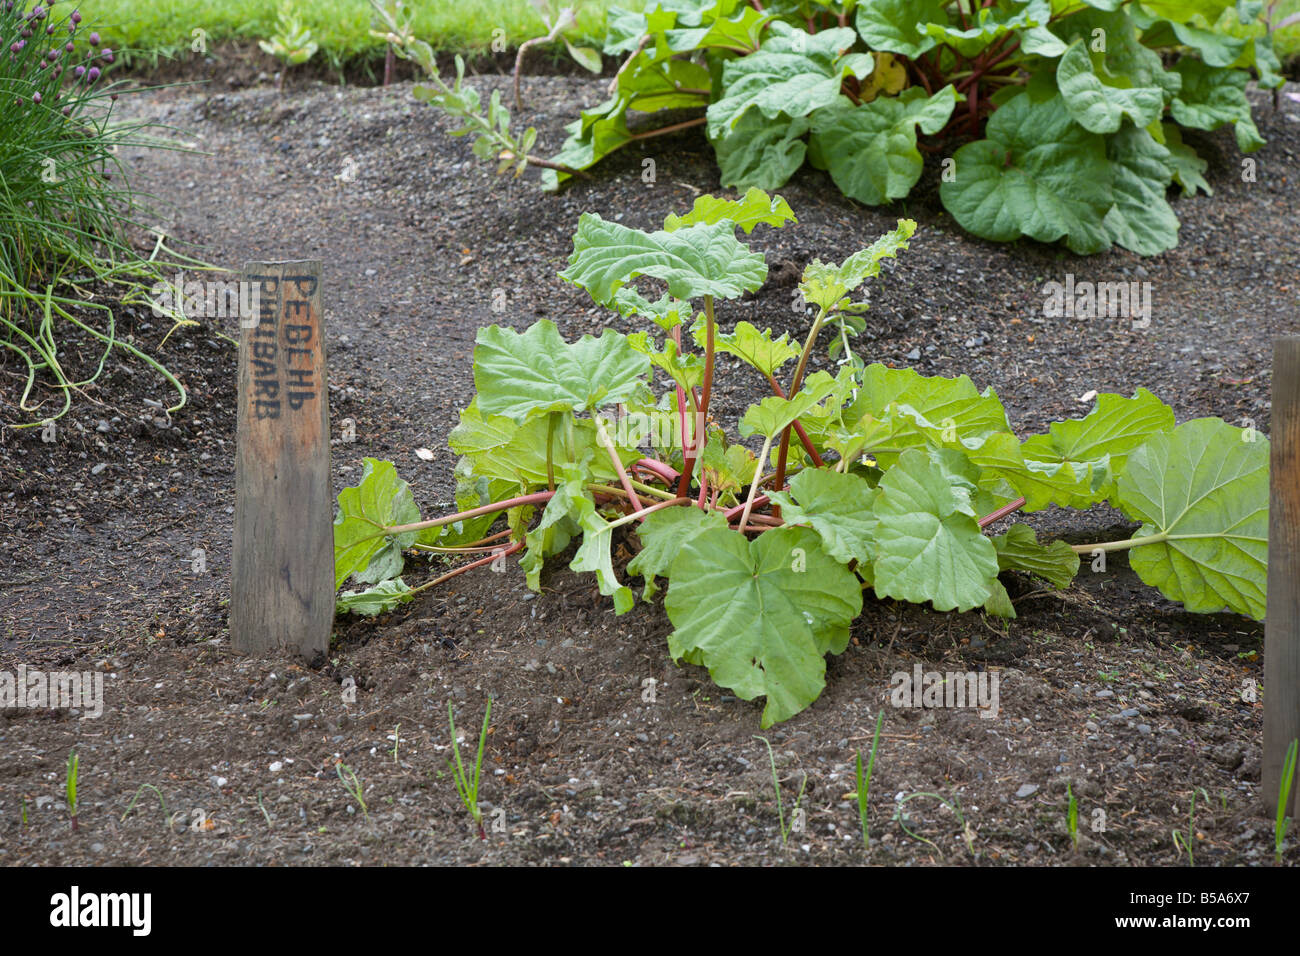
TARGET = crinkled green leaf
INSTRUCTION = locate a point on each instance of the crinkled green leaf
(1027, 19)
(1117, 54)
(594, 553)
(753, 208)
(661, 535)
(1115, 426)
(703, 259)
(1171, 27)
(1203, 488)
(871, 149)
(1038, 174)
(1189, 169)
(1074, 484)
(928, 538)
(761, 615)
(686, 370)
(753, 347)
(825, 285)
(1019, 550)
(1098, 101)
(498, 448)
(649, 84)
(954, 406)
(379, 500)
(1141, 219)
(558, 523)
(899, 26)
(666, 312)
(741, 30)
(759, 152)
(730, 468)
(1211, 97)
(378, 599)
(773, 414)
(591, 137)
(793, 72)
(837, 506)
(520, 376)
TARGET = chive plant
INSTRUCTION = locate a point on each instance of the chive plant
(65, 203)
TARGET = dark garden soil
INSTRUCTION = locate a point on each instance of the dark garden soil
(1106, 687)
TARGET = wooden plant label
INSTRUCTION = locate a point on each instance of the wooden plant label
(282, 568)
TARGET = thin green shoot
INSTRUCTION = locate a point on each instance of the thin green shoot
(1072, 817)
(142, 788)
(776, 787)
(348, 777)
(265, 815)
(967, 831)
(468, 788)
(1183, 841)
(1283, 822)
(70, 786)
(864, 781)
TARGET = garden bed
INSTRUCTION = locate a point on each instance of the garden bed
(1107, 686)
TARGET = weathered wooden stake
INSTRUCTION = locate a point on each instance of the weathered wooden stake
(282, 575)
(1282, 623)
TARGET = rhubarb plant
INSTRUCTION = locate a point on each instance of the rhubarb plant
(768, 535)
(1052, 120)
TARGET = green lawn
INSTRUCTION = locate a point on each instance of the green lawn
(341, 27)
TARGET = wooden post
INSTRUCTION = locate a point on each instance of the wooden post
(1282, 622)
(282, 569)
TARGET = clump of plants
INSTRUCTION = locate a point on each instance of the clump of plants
(65, 203)
(292, 43)
(769, 533)
(1055, 121)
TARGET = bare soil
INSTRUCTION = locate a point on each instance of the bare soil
(1105, 687)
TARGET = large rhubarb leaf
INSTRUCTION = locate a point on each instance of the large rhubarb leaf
(1212, 97)
(870, 150)
(793, 72)
(930, 547)
(761, 152)
(1141, 219)
(1098, 101)
(761, 615)
(899, 26)
(835, 505)
(703, 259)
(520, 376)
(1019, 550)
(1201, 492)
(661, 535)
(499, 449)
(1114, 427)
(379, 500)
(1038, 174)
